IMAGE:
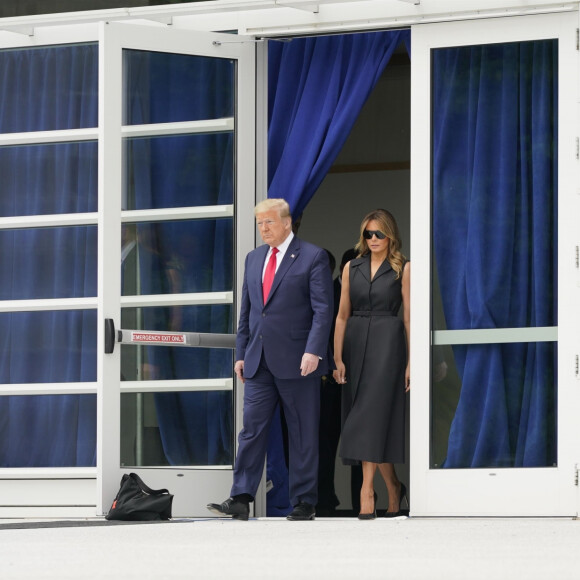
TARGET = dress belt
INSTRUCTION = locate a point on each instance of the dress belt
(373, 313)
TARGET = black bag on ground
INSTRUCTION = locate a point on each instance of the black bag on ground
(136, 501)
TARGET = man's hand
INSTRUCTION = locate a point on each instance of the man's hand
(309, 364)
(239, 370)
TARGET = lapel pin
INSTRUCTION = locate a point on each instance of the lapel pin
(292, 256)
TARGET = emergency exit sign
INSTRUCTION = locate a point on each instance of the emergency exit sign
(162, 337)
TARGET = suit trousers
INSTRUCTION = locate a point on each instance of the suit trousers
(300, 399)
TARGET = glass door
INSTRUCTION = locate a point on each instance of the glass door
(48, 264)
(176, 180)
(494, 296)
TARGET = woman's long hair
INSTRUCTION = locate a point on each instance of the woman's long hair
(389, 227)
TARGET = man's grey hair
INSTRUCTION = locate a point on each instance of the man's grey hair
(278, 204)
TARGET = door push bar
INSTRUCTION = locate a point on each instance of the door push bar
(159, 338)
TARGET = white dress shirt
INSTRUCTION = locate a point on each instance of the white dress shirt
(282, 248)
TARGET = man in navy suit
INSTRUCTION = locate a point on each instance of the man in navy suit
(281, 353)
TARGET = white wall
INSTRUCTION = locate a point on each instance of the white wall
(332, 219)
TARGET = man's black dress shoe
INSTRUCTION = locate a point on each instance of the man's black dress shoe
(239, 510)
(303, 511)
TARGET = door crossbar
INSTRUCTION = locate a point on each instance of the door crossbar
(161, 338)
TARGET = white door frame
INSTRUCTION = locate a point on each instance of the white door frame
(192, 487)
(430, 489)
(49, 491)
(495, 492)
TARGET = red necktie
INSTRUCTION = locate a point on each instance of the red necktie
(269, 274)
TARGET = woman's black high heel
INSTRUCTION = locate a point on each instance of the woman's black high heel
(402, 497)
(373, 514)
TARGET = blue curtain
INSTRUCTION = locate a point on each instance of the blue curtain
(176, 257)
(316, 90)
(40, 90)
(495, 121)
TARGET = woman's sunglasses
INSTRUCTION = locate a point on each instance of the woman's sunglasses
(368, 234)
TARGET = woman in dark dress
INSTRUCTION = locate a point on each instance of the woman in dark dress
(371, 352)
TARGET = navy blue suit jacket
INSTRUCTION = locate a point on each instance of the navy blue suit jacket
(297, 316)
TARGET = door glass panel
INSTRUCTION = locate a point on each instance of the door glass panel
(202, 318)
(48, 347)
(46, 89)
(150, 363)
(49, 88)
(494, 176)
(167, 88)
(48, 263)
(47, 179)
(183, 171)
(48, 431)
(176, 428)
(192, 169)
(504, 426)
(177, 257)
(166, 363)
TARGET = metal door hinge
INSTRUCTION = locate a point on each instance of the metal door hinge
(576, 369)
(578, 39)
(576, 476)
(577, 148)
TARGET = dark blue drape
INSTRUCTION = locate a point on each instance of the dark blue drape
(495, 121)
(182, 171)
(45, 89)
(316, 90)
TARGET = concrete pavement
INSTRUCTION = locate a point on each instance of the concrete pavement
(272, 548)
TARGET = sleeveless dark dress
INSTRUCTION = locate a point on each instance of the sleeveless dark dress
(375, 356)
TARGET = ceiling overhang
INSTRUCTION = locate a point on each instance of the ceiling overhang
(278, 17)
